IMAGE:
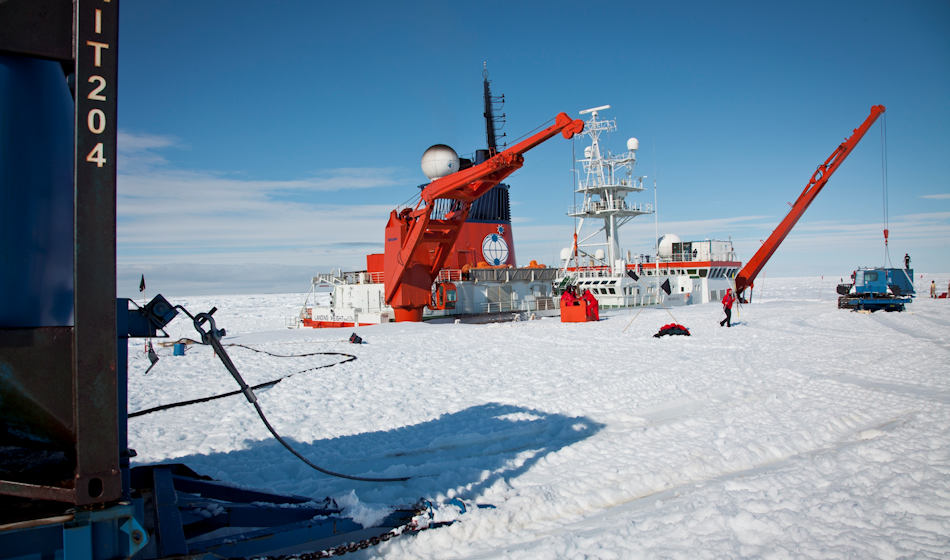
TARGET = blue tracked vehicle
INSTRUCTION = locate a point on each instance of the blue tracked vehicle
(875, 289)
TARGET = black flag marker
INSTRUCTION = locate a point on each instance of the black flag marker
(142, 284)
(633, 275)
(666, 286)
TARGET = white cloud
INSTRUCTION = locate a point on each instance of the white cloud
(131, 143)
(138, 151)
(940, 196)
(166, 217)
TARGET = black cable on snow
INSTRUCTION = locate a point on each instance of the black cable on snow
(264, 385)
(212, 337)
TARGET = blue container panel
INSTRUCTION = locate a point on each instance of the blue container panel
(36, 194)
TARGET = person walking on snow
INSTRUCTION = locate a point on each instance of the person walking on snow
(933, 289)
(727, 301)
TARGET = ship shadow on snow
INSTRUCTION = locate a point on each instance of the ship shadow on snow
(461, 453)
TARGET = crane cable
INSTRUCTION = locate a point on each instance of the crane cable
(887, 255)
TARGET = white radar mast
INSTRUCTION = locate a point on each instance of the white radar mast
(605, 182)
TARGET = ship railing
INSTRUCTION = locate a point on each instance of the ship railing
(615, 205)
(449, 275)
(342, 278)
(496, 307)
(684, 256)
(542, 303)
(610, 183)
(589, 271)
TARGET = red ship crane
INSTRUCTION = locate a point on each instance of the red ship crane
(746, 276)
(417, 244)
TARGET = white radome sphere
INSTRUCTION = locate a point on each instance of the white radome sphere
(665, 245)
(633, 144)
(566, 254)
(439, 160)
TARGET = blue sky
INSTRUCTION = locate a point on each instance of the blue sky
(263, 142)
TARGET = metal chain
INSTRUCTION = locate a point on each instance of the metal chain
(412, 527)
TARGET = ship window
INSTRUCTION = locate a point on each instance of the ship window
(611, 290)
(703, 272)
(691, 271)
(682, 289)
(870, 276)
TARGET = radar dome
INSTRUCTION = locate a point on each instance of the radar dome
(566, 254)
(439, 160)
(665, 245)
(633, 144)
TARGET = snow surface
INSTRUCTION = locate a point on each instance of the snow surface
(803, 431)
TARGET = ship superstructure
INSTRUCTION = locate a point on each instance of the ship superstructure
(676, 272)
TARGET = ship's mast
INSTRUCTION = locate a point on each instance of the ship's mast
(606, 181)
(491, 103)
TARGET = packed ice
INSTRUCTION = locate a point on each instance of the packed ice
(801, 431)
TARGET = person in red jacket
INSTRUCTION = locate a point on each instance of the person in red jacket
(727, 301)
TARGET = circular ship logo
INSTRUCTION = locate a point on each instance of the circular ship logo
(495, 249)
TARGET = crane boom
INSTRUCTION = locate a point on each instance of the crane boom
(747, 275)
(417, 244)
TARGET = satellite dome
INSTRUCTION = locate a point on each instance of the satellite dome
(439, 160)
(633, 144)
(665, 245)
